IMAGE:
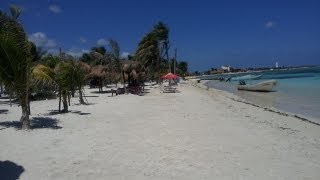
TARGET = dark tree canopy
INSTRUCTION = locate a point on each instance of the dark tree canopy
(100, 49)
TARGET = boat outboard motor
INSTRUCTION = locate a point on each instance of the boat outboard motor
(242, 82)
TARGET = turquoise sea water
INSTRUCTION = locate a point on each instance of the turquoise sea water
(297, 91)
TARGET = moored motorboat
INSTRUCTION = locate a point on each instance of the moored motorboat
(265, 86)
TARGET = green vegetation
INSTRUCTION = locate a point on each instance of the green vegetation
(15, 60)
(27, 71)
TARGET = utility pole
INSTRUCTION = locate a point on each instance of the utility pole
(175, 61)
(167, 54)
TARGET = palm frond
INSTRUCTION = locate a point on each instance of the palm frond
(43, 75)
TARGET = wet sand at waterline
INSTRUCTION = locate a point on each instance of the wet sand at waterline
(194, 134)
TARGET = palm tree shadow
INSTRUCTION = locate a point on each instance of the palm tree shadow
(4, 111)
(80, 113)
(10, 170)
(100, 92)
(36, 123)
(86, 104)
(56, 112)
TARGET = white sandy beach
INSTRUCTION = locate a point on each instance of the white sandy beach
(194, 134)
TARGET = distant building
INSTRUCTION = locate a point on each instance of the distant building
(277, 65)
(226, 68)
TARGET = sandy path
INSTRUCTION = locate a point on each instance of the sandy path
(187, 135)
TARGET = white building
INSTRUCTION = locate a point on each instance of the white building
(227, 68)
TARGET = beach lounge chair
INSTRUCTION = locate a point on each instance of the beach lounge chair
(168, 89)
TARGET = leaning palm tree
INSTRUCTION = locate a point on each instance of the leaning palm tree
(15, 60)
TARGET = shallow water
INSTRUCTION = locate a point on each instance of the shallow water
(297, 90)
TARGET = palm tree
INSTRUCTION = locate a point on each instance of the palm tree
(115, 53)
(162, 32)
(15, 60)
(148, 53)
(80, 74)
(152, 49)
(64, 79)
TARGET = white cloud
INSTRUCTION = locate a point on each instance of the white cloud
(40, 39)
(124, 55)
(270, 24)
(77, 52)
(55, 8)
(82, 39)
(53, 51)
(102, 42)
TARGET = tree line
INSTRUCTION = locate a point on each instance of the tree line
(27, 71)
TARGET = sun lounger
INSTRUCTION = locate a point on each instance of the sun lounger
(168, 89)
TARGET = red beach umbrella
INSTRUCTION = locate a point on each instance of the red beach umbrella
(170, 76)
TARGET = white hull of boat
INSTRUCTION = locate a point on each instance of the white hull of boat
(265, 86)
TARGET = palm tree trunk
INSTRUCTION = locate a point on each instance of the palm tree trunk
(167, 54)
(69, 99)
(81, 96)
(124, 81)
(59, 100)
(73, 92)
(65, 101)
(10, 96)
(100, 84)
(1, 88)
(29, 111)
(25, 121)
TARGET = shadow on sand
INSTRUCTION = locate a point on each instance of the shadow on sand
(36, 123)
(80, 113)
(10, 170)
(101, 92)
(56, 112)
(4, 111)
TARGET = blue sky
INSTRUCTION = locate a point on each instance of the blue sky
(207, 34)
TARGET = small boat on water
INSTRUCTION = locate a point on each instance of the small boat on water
(246, 77)
(265, 86)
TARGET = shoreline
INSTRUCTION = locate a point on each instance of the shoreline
(237, 98)
(205, 77)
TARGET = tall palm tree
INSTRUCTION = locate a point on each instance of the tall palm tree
(162, 32)
(15, 60)
(115, 53)
(148, 53)
(152, 49)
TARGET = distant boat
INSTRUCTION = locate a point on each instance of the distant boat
(246, 77)
(265, 86)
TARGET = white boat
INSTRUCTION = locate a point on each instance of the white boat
(265, 86)
(246, 77)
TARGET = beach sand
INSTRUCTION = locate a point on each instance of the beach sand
(194, 134)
